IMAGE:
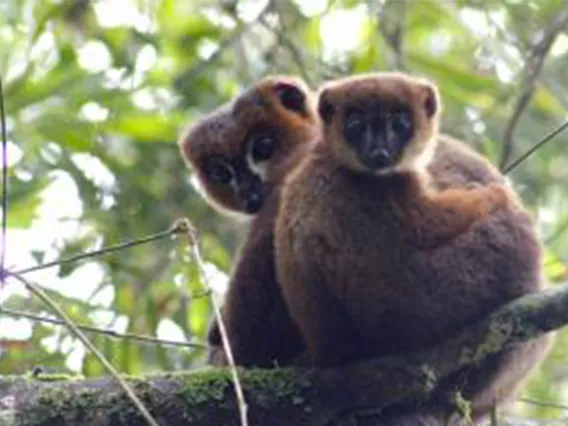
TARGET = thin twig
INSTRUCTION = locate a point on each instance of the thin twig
(539, 144)
(390, 21)
(44, 297)
(533, 67)
(164, 234)
(4, 184)
(193, 72)
(543, 404)
(297, 54)
(508, 37)
(192, 236)
(106, 332)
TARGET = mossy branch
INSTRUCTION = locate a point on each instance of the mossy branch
(279, 397)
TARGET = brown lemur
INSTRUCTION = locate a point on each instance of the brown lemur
(241, 152)
(386, 242)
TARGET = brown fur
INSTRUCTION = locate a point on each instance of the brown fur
(377, 264)
(225, 130)
(260, 330)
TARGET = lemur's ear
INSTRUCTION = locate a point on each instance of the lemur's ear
(291, 96)
(325, 107)
(430, 99)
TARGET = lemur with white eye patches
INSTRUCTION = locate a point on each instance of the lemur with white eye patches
(241, 153)
(374, 258)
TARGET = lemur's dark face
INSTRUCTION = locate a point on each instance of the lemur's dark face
(378, 123)
(377, 131)
(244, 174)
(238, 153)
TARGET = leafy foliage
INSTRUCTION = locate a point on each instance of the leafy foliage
(96, 93)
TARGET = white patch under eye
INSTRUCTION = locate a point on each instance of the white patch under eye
(415, 158)
(258, 168)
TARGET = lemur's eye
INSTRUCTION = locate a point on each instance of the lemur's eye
(219, 171)
(263, 148)
(401, 123)
(354, 125)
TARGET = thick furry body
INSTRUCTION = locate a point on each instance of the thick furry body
(260, 329)
(372, 265)
(367, 251)
(252, 143)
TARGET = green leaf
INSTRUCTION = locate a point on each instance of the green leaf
(23, 200)
(147, 127)
(490, 149)
(216, 252)
(553, 265)
(69, 132)
(125, 299)
(38, 255)
(22, 212)
(57, 81)
(547, 102)
(92, 366)
(311, 35)
(452, 74)
(43, 14)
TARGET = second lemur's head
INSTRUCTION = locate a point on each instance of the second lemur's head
(380, 122)
(243, 149)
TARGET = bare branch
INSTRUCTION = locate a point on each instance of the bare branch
(144, 240)
(104, 331)
(539, 144)
(391, 25)
(193, 240)
(418, 373)
(292, 396)
(533, 67)
(295, 51)
(4, 184)
(193, 72)
(43, 296)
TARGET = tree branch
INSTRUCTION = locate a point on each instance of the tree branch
(285, 396)
(533, 66)
(391, 20)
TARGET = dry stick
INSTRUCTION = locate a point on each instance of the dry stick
(533, 67)
(107, 332)
(169, 232)
(192, 236)
(538, 145)
(4, 184)
(42, 295)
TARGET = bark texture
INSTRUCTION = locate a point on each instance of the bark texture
(280, 397)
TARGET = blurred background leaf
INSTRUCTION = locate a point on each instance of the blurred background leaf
(97, 92)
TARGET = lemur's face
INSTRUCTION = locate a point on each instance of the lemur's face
(378, 122)
(239, 151)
